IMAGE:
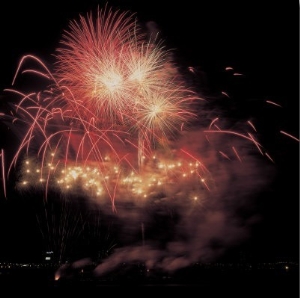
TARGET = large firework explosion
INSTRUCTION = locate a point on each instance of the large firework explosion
(113, 98)
(117, 123)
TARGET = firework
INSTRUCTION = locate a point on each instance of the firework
(113, 92)
(115, 122)
(117, 78)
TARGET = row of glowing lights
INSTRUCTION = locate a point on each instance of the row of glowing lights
(92, 178)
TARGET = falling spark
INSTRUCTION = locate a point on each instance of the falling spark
(226, 94)
(289, 135)
(251, 124)
(269, 157)
(225, 155)
(273, 103)
(234, 150)
(3, 171)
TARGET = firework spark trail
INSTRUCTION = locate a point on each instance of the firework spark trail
(61, 224)
(289, 135)
(251, 124)
(47, 75)
(3, 172)
(273, 103)
(239, 158)
(250, 138)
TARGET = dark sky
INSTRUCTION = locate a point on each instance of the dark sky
(258, 39)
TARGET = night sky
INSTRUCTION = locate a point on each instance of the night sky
(258, 39)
